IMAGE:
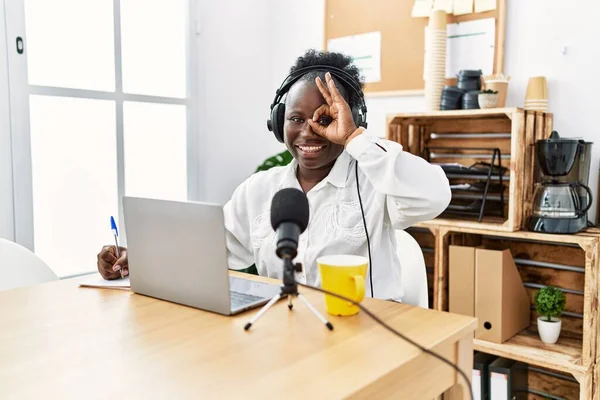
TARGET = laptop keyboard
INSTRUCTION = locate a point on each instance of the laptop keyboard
(242, 299)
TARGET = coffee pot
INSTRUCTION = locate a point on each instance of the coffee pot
(561, 198)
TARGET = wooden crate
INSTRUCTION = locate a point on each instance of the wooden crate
(566, 261)
(543, 383)
(512, 130)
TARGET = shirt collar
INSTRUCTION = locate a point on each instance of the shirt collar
(339, 173)
(337, 176)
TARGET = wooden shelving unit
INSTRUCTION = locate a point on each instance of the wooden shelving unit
(456, 137)
(543, 383)
(527, 347)
(562, 357)
(570, 262)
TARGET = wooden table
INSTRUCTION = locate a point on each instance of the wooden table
(58, 340)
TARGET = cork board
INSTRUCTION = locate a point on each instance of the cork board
(402, 39)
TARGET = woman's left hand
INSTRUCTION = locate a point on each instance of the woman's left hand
(341, 129)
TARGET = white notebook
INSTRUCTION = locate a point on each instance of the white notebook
(476, 384)
(97, 281)
(498, 386)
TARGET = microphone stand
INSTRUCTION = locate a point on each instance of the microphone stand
(289, 289)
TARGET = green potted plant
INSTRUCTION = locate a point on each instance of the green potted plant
(549, 304)
(488, 98)
(280, 159)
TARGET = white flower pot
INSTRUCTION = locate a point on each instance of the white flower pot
(549, 331)
(487, 100)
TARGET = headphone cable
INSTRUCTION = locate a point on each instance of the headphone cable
(395, 332)
(366, 231)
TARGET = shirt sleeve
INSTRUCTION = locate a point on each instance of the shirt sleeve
(239, 243)
(415, 190)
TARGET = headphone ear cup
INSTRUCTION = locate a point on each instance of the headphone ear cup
(277, 118)
(356, 117)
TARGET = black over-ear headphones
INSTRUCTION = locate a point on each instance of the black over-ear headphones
(275, 122)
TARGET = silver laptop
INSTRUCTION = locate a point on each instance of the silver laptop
(177, 252)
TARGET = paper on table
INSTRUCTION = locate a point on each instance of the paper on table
(462, 7)
(484, 5)
(97, 281)
(365, 50)
(471, 45)
(422, 8)
(445, 5)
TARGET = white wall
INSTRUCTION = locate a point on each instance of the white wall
(245, 53)
(296, 26)
(537, 32)
(6, 183)
(235, 93)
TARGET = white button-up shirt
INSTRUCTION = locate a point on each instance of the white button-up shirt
(398, 189)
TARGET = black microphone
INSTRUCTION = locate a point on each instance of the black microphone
(289, 218)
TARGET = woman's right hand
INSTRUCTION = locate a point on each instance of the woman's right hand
(109, 266)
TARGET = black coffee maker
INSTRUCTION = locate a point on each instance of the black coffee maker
(562, 196)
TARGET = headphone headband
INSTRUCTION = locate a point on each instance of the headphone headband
(276, 120)
(342, 75)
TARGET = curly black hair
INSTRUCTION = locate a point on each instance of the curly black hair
(313, 57)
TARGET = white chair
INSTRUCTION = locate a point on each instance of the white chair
(414, 274)
(20, 267)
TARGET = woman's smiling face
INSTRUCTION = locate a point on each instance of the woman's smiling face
(309, 149)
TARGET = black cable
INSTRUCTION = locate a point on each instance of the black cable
(366, 231)
(389, 328)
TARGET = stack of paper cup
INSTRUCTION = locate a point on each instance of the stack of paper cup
(435, 60)
(536, 98)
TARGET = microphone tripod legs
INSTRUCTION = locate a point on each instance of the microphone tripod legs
(315, 312)
(264, 310)
(279, 296)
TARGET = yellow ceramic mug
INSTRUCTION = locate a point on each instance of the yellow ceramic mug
(343, 275)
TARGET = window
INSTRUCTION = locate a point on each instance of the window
(109, 86)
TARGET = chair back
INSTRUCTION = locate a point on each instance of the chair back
(414, 273)
(20, 267)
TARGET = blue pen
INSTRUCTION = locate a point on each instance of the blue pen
(113, 228)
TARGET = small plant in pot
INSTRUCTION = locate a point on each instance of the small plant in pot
(488, 98)
(549, 304)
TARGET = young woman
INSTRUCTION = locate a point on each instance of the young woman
(335, 161)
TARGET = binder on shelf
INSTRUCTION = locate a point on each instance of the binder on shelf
(502, 305)
(508, 380)
(461, 280)
(481, 375)
(486, 284)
